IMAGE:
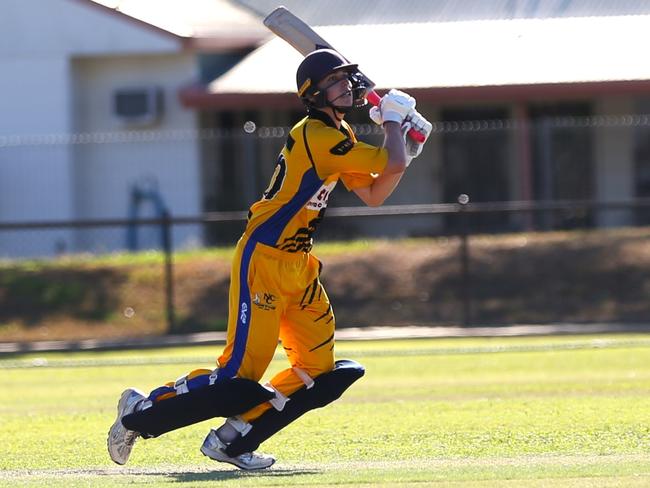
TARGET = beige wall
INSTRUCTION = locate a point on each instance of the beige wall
(105, 172)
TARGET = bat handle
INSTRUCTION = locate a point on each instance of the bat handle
(374, 99)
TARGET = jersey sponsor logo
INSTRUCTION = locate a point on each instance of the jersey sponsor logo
(264, 301)
(320, 198)
(342, 147)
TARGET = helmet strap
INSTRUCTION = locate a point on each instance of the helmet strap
(342, 109)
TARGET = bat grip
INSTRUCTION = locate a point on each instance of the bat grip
(374, 99)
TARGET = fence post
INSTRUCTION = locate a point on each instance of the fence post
(169, 270)
(465, 291)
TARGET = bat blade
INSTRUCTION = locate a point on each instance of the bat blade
(304, 39)
(295, 31)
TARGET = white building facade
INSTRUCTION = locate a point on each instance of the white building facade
(65, 151)
(68, 153)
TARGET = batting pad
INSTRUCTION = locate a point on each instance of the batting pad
(326, 388)
(225, 398)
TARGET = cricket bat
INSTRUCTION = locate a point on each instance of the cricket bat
(304, 39)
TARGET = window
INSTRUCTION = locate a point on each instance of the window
(563, 167)
(475, 162)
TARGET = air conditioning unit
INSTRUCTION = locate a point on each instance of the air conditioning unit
(138, 105)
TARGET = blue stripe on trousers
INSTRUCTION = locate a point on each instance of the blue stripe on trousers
(244, 314)
(268, 233)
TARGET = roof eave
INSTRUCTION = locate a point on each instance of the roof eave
(138, 22)
(225, 43)
(532, 92)
(198, 97)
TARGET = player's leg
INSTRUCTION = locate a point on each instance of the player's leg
(307, 335)
(252, 339)
(313, 381)
(252, 333)
(253, 324)
(197, 397)
(204, 394)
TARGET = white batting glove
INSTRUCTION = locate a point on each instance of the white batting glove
(375, 112)
(420, 124)
(375, 115)
(395, 106)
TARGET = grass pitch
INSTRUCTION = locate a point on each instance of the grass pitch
(538, 412)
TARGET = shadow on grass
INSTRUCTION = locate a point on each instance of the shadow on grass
(235, 474)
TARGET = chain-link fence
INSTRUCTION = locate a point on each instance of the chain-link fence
(554, 229)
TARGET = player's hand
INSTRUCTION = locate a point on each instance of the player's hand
(420, 124)
(375, 115)
(395, 106)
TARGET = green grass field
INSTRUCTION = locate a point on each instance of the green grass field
(507, 412)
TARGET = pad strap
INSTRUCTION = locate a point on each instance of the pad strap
(181, 385)
(305, 378)
(279, 401)
(239, 425)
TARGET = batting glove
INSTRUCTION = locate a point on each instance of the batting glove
(420, 124)
(375, 115)
(395, 106)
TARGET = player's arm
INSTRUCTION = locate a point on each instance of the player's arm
(383, 185)
(394, 144)
(376, 193)
(394, 107)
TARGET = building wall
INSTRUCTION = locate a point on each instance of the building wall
(42, 79)
(30, 108)
(35, 182)
(163, 156)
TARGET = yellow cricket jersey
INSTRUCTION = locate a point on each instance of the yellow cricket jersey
(315, 156)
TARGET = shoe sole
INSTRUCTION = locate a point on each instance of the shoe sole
(214, 455)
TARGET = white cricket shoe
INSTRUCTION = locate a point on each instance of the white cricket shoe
(120, 439)
(215, 449)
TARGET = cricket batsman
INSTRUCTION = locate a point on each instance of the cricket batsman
(275, 290)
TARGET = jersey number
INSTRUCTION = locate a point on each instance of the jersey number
(277, 179)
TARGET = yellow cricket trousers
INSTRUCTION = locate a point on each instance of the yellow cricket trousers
(276, 295)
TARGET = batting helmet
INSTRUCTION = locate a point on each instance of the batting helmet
(319, 64)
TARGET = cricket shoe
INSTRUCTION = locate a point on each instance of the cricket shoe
(120, 439)
(214, 448)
